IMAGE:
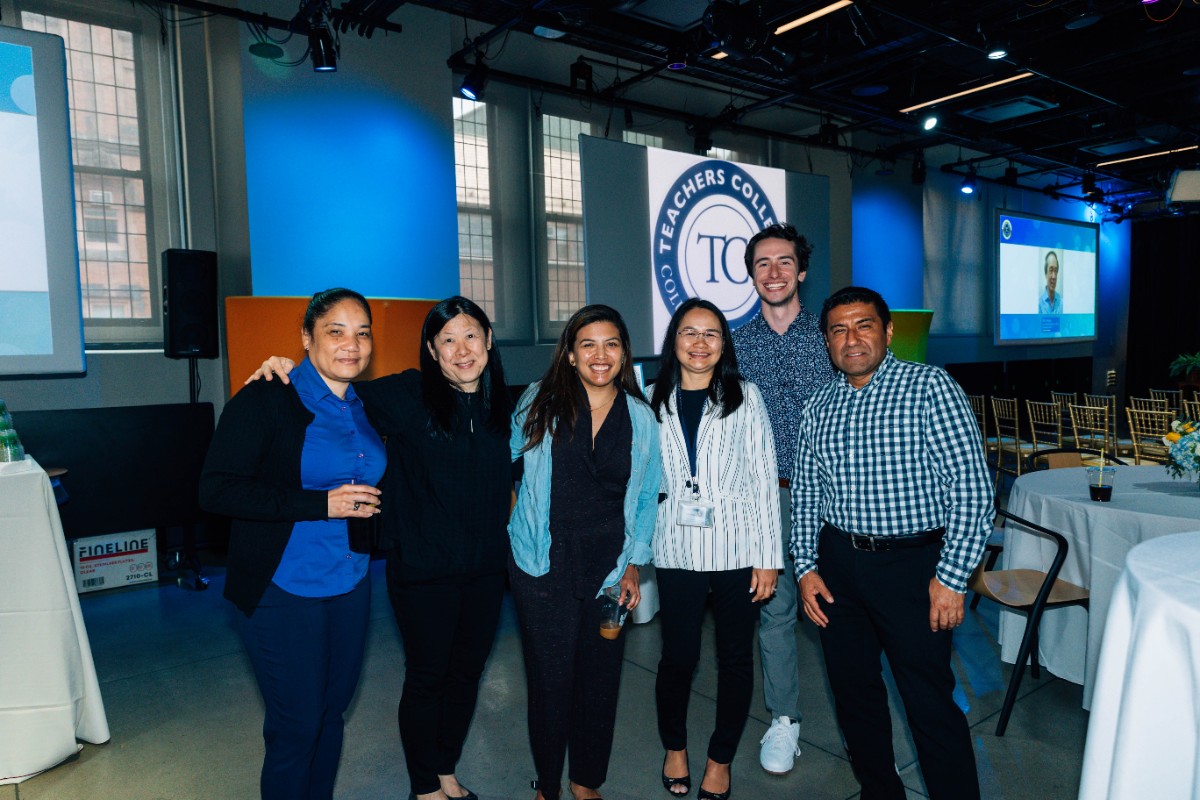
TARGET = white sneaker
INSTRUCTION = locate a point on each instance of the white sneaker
(780, 746)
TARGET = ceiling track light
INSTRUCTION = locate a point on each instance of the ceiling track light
(997, 51)
(929, 122)
(677, 60)
(322, 47)
(581, 76)
(968, 183)
(473, 85)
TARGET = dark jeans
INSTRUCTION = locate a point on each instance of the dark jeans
(682, 594)
(573, 675)
(448, 628)
(881, 603)
(307, 654)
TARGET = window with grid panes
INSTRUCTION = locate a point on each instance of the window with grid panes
(644, 139)
(476, 229)
(117, 278)
(565, 290)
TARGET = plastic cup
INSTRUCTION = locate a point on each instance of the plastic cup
(1100, 483)
(10, 446)
(612, 613)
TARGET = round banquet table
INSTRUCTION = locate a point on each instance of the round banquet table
(1146, 503)
(1144, 734)
(49, 692)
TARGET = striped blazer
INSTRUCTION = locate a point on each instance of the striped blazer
(735, 462)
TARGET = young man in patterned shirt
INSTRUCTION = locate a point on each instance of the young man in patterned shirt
(782, 351)
(891, 508)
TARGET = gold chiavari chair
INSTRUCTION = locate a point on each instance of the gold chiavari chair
(1090, 426)
(979, 409)
(1045, 425)
(1148, 404)
(1191, 409)
(1011, 449)
(1172, 397)
(1147, 429)
(1119, 446)
(1062, 400)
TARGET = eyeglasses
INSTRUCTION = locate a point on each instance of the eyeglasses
(695, 335)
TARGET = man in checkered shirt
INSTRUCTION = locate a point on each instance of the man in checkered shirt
(891, 508)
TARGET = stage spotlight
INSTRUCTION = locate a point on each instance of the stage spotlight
(473, 85)
(929, 122)
(581, 76)
(1091, 193)
(918, 169)
(968, 184)
(677, 60)
(997, 51)
(322, 49)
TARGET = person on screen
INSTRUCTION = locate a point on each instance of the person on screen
(1051, 300)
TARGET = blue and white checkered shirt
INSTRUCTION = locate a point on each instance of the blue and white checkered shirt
(899, 456)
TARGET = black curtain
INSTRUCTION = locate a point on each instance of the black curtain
(1164, 300)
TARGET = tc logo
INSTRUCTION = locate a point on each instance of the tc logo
(700, 237)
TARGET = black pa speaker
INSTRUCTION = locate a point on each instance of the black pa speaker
(190, 303)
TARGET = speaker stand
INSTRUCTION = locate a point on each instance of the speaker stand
(193, 379)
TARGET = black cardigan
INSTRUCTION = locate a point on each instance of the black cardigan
(252, 474)
(445, 499)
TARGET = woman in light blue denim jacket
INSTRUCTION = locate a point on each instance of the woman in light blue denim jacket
(583, 522)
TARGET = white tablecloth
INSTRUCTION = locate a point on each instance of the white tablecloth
(1146, 503)
(1144, 734)
(49, 694)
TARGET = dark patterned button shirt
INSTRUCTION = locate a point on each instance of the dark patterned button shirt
(787, 369)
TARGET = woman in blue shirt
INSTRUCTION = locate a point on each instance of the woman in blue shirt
(291, 465)
(583, 521)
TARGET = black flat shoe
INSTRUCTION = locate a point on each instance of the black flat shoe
(668, 782)
(468, 796)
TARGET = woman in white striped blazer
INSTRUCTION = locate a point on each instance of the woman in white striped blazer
(717, 531)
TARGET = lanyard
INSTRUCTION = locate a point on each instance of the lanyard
(689, 437)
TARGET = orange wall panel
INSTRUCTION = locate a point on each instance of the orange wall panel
(257, 327)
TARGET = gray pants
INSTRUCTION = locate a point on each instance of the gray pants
(777, 631)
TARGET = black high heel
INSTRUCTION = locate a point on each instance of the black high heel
(705, 794)
(685, 781)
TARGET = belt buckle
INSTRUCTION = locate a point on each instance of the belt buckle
(863, 541)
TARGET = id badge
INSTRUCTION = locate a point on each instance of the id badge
(696, 513)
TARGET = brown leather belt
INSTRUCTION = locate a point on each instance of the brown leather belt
(784, 483)
(879, 544)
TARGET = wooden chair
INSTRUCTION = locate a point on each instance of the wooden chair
(1065, 457)
(1148, 404)
(1090, 427)
(1030, 592)
(1172, 397)
(1191, 409)
(1045, 424)
(979, 408)
(1146, 430)
(1010, 447)
(1062, 400)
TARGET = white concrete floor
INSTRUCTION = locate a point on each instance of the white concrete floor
(186, 716)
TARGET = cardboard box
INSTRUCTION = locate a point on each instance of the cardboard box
(116, 559)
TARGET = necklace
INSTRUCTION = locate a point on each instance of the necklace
(602, 405)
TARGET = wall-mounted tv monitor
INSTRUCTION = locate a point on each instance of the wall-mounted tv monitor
(39, 265)
(1046, 272)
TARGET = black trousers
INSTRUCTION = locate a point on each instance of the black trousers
(881, 604)
(682, 594)
(448, 627)
(573, 675)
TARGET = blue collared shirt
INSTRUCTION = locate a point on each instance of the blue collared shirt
(787, 368)
(340, 447)
(899, 456)
(1047, 307)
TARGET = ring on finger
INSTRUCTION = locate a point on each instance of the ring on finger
(356, 505)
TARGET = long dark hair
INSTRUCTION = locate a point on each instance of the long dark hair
(726, 386)
(439, 396)
(560, 397)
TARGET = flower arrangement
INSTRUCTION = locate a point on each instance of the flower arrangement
(1183, 449)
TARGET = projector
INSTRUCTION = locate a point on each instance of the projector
(1185, 187)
